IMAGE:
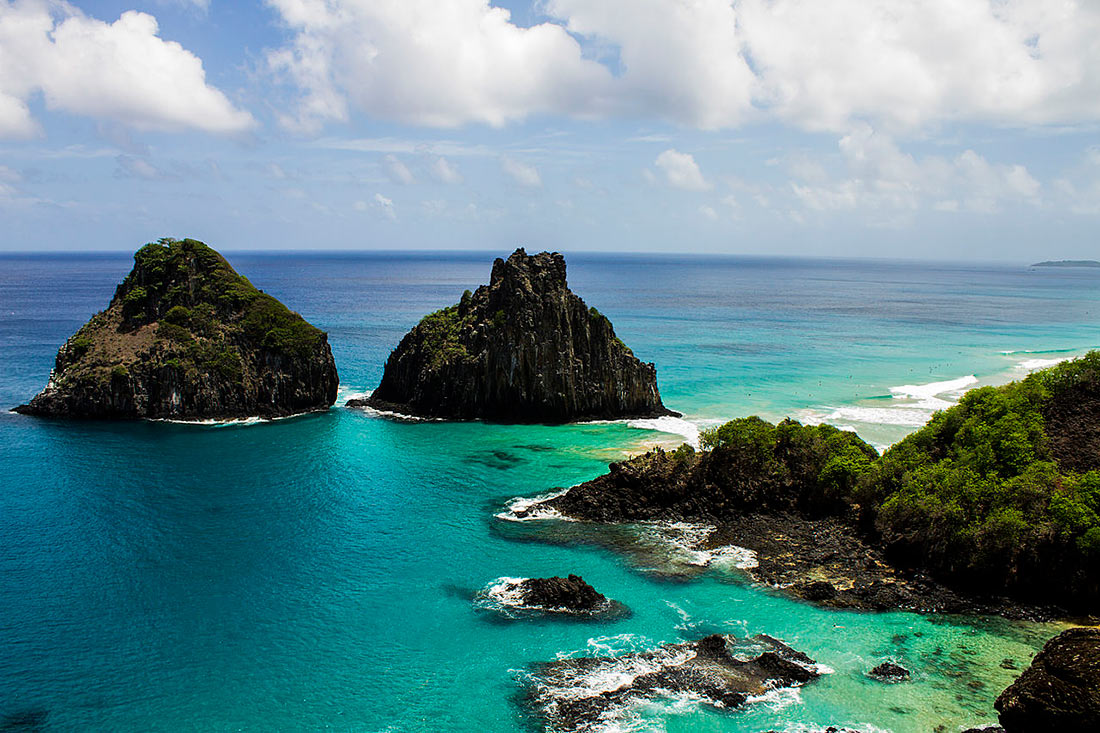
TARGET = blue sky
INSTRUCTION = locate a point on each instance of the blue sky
(961, 129)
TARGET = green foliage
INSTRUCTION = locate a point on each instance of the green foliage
(195, 291)
(79, 345)
(278, 328)
(440, 336)
(976, 493)
(499, 319)
(120, 372)
(175, 333)
(178, 315)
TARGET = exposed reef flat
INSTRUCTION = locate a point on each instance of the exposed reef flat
(522, 349)
(576, 693)
(185, 337)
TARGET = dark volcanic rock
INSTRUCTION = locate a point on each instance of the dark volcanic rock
(1060, 691)
(186, 337)
(890, 672)
(572, 694)
(532, 597)
(570, 593)
(522, 349)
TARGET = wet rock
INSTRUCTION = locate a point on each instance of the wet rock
(571, 593)
(1060, 691)
(519, 598)
(522, 349)
(890, 672)
(818, 590)
(573, 694)
(186, 337)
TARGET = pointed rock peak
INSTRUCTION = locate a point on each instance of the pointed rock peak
(541, 272)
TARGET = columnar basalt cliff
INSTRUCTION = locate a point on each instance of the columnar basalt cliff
(522, 349)
(186, 337)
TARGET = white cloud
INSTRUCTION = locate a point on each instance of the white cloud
(879, 176)
(521, 173)
(386, 205)
(121, 71)
(429, 63)
(681, 170)
(816, 64)
(708, 212)
(130, 166)
(444, 172)
(397, 171)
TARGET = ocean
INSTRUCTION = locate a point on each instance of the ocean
(319, 572)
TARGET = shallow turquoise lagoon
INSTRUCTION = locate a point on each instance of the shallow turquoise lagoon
(317, 572)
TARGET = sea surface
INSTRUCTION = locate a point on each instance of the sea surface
(319, 572)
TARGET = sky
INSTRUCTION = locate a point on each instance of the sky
(931, 129)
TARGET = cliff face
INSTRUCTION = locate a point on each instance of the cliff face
(186, 337)
(522, 349)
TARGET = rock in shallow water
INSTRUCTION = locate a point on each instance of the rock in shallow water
(1060, 691)
(523, 349)
(527, 597)
(722, 671)
(890, 672)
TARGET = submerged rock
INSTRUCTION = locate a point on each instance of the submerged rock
(522, 349)
(890, 672)
(524, 597)
(1060, 691)
(721, 671)
(187, 337)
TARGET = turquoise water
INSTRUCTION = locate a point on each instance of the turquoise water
(317, 572)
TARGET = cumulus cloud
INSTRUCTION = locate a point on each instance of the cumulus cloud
(816, 64)
(397, 171)
(443, 171)
(681, 170)
(121, 71)
(429, 63)
(386, 205)
(521, 173)
(879, 175)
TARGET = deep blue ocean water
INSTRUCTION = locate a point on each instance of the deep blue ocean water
(317, 572)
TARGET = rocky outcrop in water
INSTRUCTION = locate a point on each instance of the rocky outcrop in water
(186, 337)
(1060, 691)
(518, 598)
(890, 672)
(573, 694)
(569, 594)
(522, 349)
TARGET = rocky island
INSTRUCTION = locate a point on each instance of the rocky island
(1060, 691)
(1067, 263)
(186, 337)
(993, 506)
(522, 349)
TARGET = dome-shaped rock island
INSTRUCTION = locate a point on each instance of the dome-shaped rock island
(522, 349)
(186, 337)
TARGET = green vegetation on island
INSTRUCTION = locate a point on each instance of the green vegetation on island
(187, 336)
(998, 495)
